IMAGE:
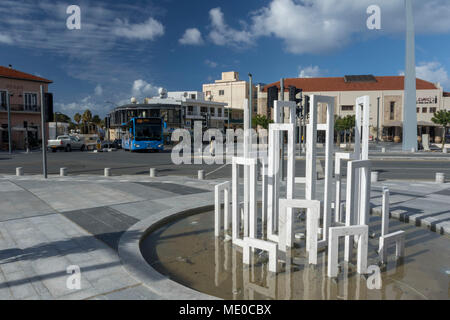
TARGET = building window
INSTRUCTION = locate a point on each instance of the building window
(30, 101)
(347, 108)
(220, 111)
(424, 110)
(193, 96)
(5, 133)
(417, 110)
(221, 92)
(392, 111)
(3, 100)
(433, 110)
(203, 109)
(208, 93)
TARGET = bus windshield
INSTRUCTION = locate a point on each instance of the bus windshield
(145, 131)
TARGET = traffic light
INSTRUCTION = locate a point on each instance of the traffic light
(48, 107)
(107, 122)
(272, 95)
(307, 105)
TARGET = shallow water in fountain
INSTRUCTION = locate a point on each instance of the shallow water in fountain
(187, 251)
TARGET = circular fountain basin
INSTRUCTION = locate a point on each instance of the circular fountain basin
(186, 251)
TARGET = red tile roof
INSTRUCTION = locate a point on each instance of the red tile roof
(16, 74)
(338, 84)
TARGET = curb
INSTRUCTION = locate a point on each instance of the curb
(135, 264)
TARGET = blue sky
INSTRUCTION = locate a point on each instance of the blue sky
(132, 48)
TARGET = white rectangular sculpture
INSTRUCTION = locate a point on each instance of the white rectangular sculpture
(339, 156)
(398, 238)
(386, 238)
(220, 216)
(273, 183)
(361, 151)
(250, 221)
(311, 156)
(286, 224)
(352, 211)
(270, 247)
(333, 247)
(273, 175)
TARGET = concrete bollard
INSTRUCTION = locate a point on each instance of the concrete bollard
(413, 150)
(440, 177)
(63, 172)
(19, 171)
(201, 174)
(444, 150)
(152, 172)
(107, 172)
(374, 176)
(383, 150)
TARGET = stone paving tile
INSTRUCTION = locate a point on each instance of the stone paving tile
(141, 210)
(135, 293)
(13, 207)
(53, 272)
(19, 285)
(83, 196)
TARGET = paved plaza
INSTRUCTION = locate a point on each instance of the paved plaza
(48, 225)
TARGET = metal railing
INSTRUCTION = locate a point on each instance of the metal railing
(21, 107)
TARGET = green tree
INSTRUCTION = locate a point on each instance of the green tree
(96, 119)
(86, 118)
(61, 117)
(442, 118)
(348, 125)
(339, 126)
(77, 118)
(261, 120)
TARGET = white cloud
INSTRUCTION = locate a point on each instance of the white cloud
(310, 72)
(433, 72)
(148, 30)
(316, 26)
(222, 34)
(191, 36)
(4, 38)
(143, 89)
(98, 90)
(211, 64)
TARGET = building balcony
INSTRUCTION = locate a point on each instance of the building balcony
(21, 108)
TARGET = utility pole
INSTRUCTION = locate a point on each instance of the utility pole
(9, 123)
(44, 148)
(378, 119)
(282, 132)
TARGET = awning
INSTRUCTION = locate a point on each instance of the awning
(426, 124)
(393, 124)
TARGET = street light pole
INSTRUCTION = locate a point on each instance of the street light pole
(378, 119)
(282, 132)
(9, 122)
(44, 148)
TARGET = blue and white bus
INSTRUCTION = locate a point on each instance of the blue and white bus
(143, 134)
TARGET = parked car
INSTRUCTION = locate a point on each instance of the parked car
(118, 143)
(66, 143)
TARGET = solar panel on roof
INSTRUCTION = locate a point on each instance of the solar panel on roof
(360, 78)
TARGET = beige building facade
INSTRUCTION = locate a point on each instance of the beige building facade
(386, 102)
(232, 91)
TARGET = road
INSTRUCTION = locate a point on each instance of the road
(123, 162)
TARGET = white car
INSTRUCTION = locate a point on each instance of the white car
(66, 143)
